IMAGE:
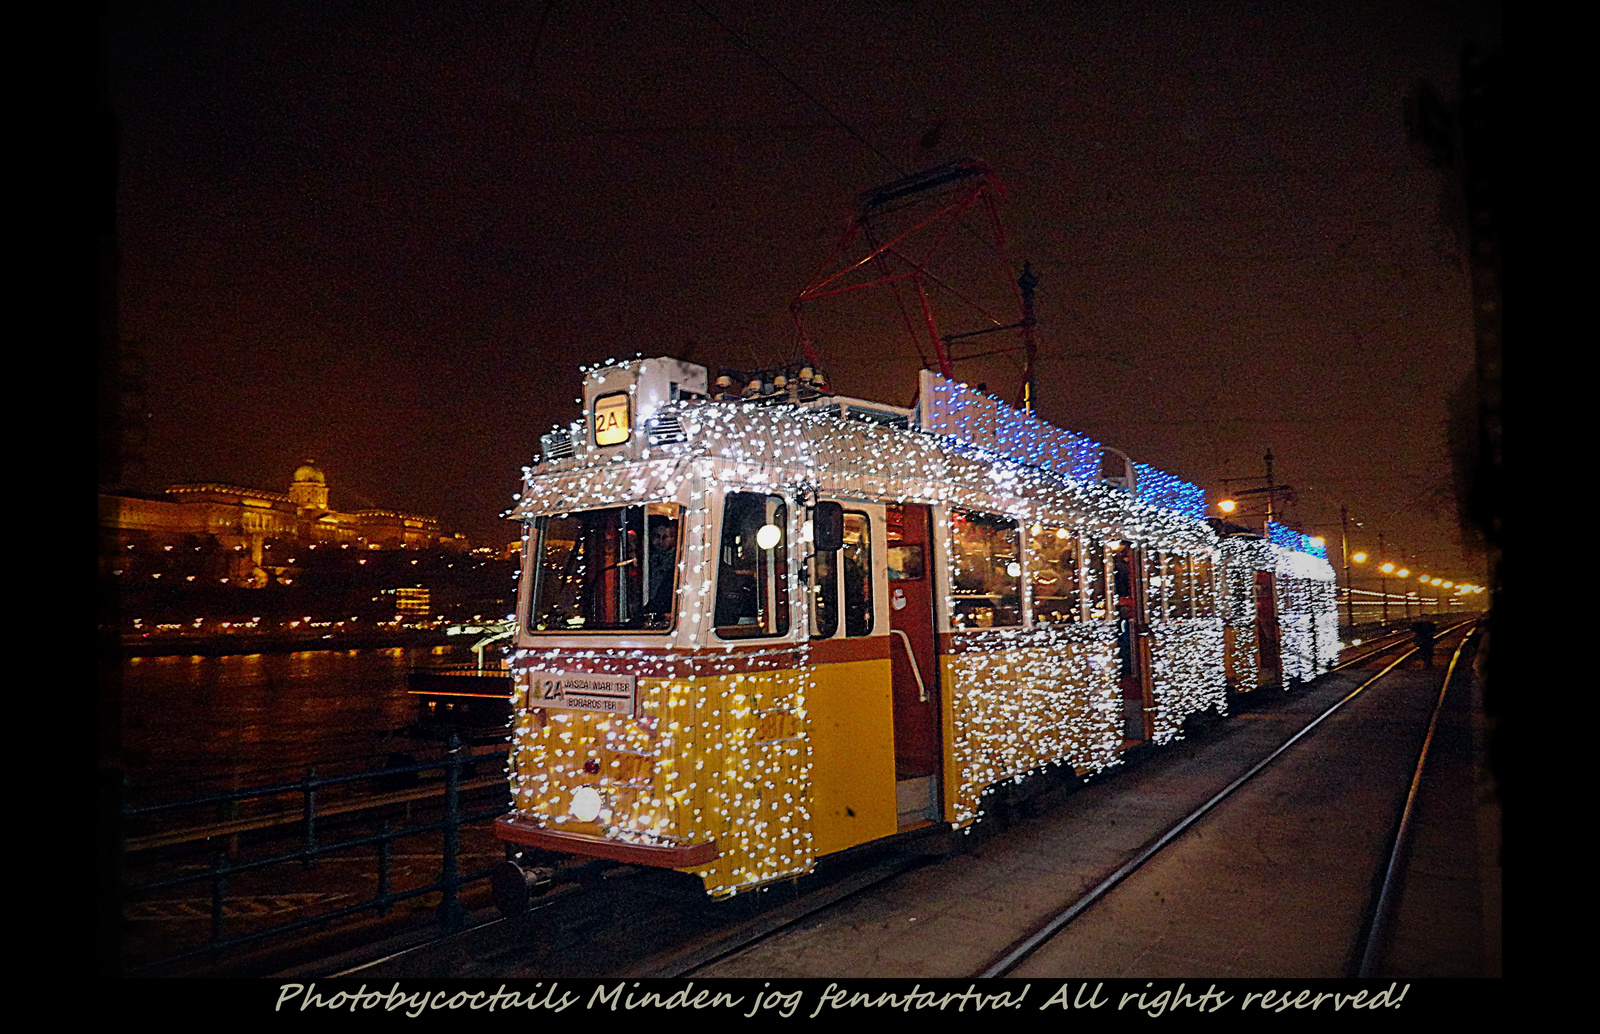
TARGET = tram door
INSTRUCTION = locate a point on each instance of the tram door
(1269, 651)
(1133, 644)
(914, 661)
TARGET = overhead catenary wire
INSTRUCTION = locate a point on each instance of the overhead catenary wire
(801, 90)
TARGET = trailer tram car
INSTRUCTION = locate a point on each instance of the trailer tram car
(756, 631)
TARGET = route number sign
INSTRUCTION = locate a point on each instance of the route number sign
(612, 422)
(604, 694)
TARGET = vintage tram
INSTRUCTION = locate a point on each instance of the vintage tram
(758, 626)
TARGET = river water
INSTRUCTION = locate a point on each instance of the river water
(193, 723)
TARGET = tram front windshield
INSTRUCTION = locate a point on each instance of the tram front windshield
(606, 570)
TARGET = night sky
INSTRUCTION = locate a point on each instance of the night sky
(384, 236)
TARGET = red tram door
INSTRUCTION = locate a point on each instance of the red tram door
(1269, 652)
(1133, 645)
(914, 661)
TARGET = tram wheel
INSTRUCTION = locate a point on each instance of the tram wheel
(513, 886)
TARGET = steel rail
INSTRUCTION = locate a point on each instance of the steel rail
(719, 945)
(1019, 950)
(1385, 649)
(1371, 653)
(1382, 914)
(712, 948)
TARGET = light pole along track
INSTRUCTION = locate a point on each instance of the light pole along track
(1019, 950)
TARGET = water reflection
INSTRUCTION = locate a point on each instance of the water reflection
(191, 719)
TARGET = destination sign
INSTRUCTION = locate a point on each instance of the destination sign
(605, 694)
(612, 425)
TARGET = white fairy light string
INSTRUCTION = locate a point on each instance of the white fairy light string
(720, 748)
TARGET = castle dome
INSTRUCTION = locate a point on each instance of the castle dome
(310, 488)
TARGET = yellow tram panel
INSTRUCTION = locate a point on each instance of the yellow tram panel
(851, 725)
(721, 758)
(743, 775)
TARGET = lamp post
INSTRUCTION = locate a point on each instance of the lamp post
(1358, 557)
(1271, 490)
(1344, 558)
(1383, 588)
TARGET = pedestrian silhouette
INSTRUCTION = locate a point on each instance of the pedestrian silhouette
(1422, 634)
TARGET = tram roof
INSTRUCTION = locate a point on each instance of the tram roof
(745, 446)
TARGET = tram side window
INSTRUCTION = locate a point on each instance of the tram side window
(606, 570)
(1121, 574)
(1053, 574)
(1155, 583)
(824, 595)
(1179, 605)
(1094, 576)
(986, 554)
(753, 567)
(906, 562)
(857, 558)
(1205, 587)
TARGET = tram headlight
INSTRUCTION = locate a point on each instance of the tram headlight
(585, 805)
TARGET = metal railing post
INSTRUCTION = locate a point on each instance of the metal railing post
(450, 907)
(310, 785)
(219, 890)
(384, 849)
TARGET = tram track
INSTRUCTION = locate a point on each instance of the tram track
(694, 959)
(1400, 639)
(1020, 950)
(702, 951)
(1386, 903)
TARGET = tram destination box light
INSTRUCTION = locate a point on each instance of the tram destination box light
(619, 399)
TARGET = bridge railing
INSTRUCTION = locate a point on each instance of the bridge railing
(360, 816)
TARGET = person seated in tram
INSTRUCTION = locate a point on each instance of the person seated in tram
(857, 597)
(663, 568)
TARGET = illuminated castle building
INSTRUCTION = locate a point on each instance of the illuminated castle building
(241, 521)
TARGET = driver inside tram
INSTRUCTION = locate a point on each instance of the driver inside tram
(663, 567)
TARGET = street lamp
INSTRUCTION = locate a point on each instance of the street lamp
(1272, 490)
(1357, 557)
